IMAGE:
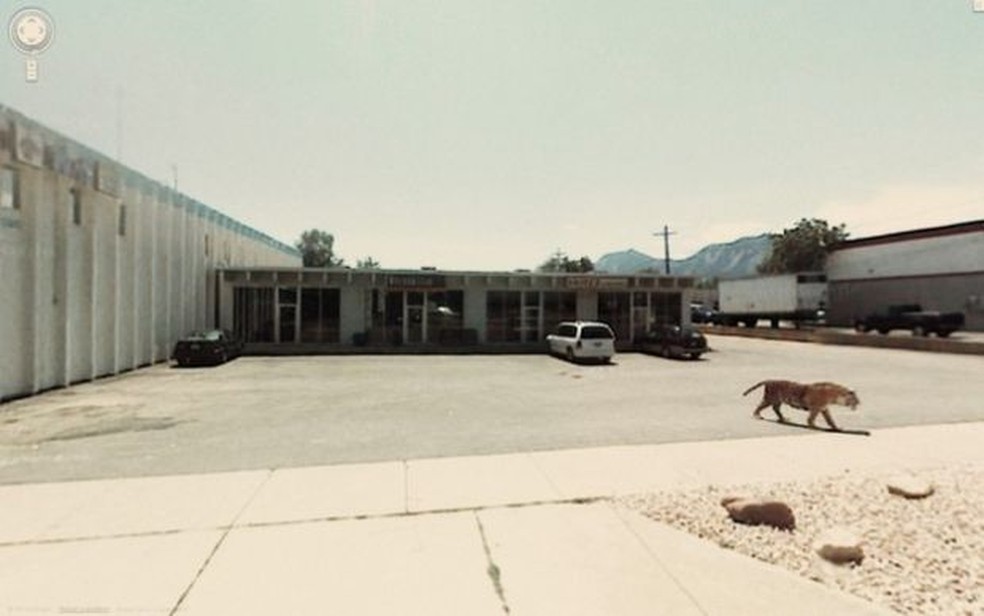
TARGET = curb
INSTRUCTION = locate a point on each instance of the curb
(822, 336)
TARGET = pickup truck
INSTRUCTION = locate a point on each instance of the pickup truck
(912, 317)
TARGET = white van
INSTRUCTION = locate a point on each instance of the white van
(583, 340)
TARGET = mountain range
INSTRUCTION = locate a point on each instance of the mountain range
(727, 260)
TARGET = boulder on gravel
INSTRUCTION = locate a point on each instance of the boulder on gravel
(908, 486)
(839, 545)
(755, 512)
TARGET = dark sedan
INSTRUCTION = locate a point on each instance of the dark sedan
(700, 313)
(675, 341)
(211, 347)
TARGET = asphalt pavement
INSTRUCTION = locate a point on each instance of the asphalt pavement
(282, 412)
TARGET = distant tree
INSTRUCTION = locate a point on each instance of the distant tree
(367, 263)
(317, 249)
(803, 247)
(560, 262)
(584, 264)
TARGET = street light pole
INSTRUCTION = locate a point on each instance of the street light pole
(666, 247)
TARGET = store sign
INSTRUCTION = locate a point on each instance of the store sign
(28, 146)
(416, 281)
(83, 171)
(107, 179)
(594, 282)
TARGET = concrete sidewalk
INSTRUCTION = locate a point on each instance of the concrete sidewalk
(517, 534)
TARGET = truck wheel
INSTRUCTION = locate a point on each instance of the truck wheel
(919, 330)
(861, 328)
(943, 333)
(883, 331)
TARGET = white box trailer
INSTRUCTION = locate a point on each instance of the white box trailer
(798, 298)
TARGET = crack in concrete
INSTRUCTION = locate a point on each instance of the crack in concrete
(217, 546)
(494, 573)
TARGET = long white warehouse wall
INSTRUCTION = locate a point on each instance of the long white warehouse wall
(947, 254)
(101, 269)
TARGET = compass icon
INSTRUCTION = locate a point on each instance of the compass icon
(31, 31)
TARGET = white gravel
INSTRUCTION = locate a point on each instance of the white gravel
(921, 556)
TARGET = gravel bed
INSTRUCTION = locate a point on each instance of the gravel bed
(921, 556)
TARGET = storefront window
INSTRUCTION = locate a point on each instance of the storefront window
(503, 316)
(666, 308)
(640, 315)
(445, 317)
(253, 314)
(320, 315)
(557, 307)
(613, 308)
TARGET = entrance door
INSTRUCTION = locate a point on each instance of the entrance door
(287, 303)
(415, 324)
(288, 323)
(531, 321)
(394, 317)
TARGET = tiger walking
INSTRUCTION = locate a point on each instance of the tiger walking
(813, 398)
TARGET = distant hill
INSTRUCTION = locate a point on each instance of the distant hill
(730, 260)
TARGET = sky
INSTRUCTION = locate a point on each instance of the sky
(486, 135)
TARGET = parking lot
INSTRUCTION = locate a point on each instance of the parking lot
(275, 412)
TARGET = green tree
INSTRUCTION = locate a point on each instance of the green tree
(802, 248)
(560, 262)
(367, 263)
(317, 249)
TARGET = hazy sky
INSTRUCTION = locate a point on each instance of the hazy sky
(487, 134)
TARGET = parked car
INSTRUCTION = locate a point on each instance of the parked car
(674, 341)
(212, 347)
(912, 317)
(583, 340)
(699, 313)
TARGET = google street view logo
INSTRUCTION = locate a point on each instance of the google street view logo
(31, 31)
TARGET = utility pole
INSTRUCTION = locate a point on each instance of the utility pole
(666, 247)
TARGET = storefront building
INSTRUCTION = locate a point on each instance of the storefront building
(303, 309)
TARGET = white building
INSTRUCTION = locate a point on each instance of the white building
(101, 269)
(940, 268)
(306, 310)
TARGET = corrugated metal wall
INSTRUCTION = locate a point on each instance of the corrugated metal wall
(940, 269)
(954, 293)
(101, 269)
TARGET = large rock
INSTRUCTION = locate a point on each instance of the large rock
(840, 546)
(755, 512)
(910, 487)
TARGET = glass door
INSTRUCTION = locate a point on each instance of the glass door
(640, 315)
(415, 324)
(287, 312)
(531, 316)
(394, 317)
